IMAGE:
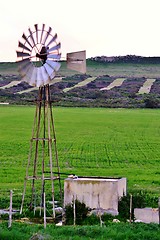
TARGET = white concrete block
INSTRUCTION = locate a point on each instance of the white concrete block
(147, 215)
(95, 192)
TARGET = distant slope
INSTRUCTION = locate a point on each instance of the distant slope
(127, 85)
(95, 69)
(127, 59)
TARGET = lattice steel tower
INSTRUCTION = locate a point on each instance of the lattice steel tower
(38, 58)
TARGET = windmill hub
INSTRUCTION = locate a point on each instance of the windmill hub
(43, 54)
(38, 55)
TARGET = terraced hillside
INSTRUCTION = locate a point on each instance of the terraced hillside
(104, 85)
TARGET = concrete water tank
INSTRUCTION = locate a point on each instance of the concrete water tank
(95, 192)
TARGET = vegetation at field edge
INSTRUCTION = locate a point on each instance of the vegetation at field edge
(112, 231)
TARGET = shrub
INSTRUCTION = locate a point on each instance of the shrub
(81, 213)
(151, 102)
(140, 199)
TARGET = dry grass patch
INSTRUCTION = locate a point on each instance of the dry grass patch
(116, 83)
(146, 88)
(11, 84)
(80, 84)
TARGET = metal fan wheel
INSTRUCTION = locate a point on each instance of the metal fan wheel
(38, 55)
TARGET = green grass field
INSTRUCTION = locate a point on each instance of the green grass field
(91, 142)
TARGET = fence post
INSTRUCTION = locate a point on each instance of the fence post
(44, 209)
(10, 210)
(74, 210)
(159, 208)
(130, 219)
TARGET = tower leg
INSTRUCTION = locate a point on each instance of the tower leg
(41, 154)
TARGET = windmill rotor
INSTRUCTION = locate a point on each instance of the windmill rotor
(38, 55)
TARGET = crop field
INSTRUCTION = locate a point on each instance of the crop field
(90, 141)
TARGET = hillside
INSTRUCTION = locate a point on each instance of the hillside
(127, 59)
(116, 83)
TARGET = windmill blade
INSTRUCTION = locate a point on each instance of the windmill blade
(31, 36)
(26, 39)
(47, 80)
(39, 77)
(47, 34)
(45, 75)
(29, 74)
(23, 62)
(27, 77)
(50, 70)
(22, 54)
(33, 77)
(24, 70)
(21, 45)
(54, 56)
(42, 76)
(77, 61)
(24, 67)
(52, 40)
(36, 27)
(54, 65)
(43, 26)
(54, 48)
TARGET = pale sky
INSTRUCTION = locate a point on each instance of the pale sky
(101, 27)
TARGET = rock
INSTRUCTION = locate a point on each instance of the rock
(115, 220)
(137, 220)
(59, 224)
(102, 211)
(59, 210)
(37, 237)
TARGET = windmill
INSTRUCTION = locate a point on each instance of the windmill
(39, 60)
